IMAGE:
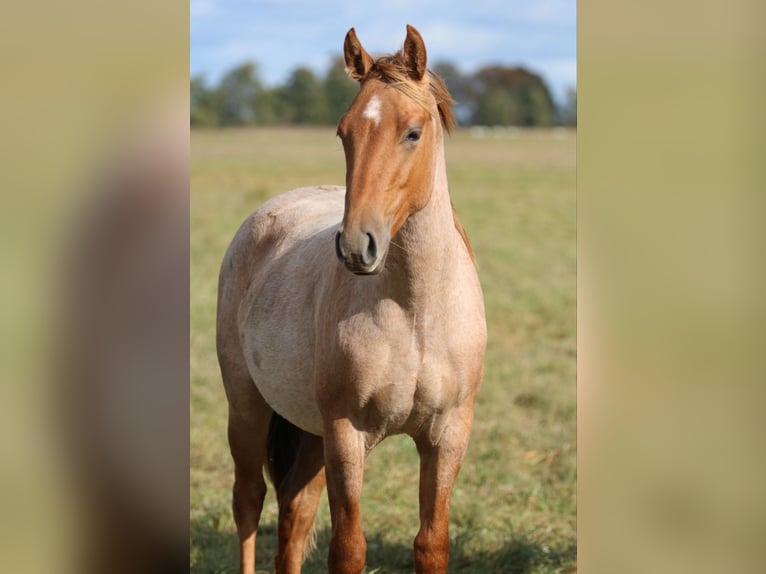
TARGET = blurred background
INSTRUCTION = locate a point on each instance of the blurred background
(506, 63)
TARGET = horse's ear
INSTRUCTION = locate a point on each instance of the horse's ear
(358, 61)
(415, 54)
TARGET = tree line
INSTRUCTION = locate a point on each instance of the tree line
(492, 96)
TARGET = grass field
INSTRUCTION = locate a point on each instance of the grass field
(513, 507)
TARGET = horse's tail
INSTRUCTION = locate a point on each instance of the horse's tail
(282, 450)
(283, 443)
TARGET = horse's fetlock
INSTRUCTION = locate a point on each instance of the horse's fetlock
(347, 555)
(431, 553)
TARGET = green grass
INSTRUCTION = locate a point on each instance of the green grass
(513, 507)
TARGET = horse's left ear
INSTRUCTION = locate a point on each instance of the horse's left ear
(415, 54)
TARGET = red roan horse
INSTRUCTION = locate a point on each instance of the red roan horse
(346, 315)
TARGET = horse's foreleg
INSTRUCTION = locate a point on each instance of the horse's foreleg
(344, 459)
(439, 466)
(249, 417)
(298, 496)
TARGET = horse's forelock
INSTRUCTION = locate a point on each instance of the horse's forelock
(392, 70)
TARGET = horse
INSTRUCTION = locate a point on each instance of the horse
(349, 314)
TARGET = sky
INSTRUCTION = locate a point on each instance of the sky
(280, 35)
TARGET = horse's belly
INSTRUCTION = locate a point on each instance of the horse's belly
(280, 357)
(293, 243)
(289, 391)
(279, 350)
(278, 346)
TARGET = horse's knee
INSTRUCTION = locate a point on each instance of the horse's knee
(348, 554)
(431, 552)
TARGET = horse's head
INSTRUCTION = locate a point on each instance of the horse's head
(391, 134)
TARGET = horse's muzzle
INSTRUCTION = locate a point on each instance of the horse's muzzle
(359, 252)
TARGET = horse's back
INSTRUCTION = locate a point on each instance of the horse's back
(298, 214)
(267, 296)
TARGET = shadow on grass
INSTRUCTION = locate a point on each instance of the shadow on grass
(518, 556)
(215, 551)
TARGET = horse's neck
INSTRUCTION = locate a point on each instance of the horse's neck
(426, 248)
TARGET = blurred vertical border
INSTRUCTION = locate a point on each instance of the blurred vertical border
(671, 381)
(94, 116)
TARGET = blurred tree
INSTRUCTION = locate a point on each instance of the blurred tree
(237, 95)
(267, 107)
(494, 95)
(496, 107)
(569, 109)
(304, 98)
(202, 103)
(451, 75)
(339, 89)
(459, 86)
(532, 104)
(542, 109)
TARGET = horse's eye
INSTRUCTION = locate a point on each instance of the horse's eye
(413, 135)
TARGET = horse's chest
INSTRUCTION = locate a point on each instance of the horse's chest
(398, 378)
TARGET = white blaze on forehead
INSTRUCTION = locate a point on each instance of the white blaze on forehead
(372, 111)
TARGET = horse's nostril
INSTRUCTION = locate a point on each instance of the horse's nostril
(358, 250)
(372, 249)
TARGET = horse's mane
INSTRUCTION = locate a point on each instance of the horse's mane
(392, 70)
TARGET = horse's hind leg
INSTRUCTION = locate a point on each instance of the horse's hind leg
(249, 417)
(296, 465)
